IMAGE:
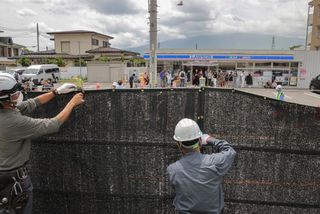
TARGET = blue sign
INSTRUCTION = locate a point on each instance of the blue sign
(182, 57)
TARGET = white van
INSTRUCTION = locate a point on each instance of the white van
(37, 73)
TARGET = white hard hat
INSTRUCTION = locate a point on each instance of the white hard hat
(279, 88)
(187, 130)
(8, 85)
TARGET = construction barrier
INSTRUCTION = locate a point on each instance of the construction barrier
(112, 155)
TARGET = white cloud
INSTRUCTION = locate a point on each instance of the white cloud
(26, 12)
(129, 24)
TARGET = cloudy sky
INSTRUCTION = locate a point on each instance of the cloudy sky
(126, 20)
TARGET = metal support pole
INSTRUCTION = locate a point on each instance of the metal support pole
(153, 41)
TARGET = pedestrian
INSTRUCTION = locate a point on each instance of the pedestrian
(197, 178)
(231, 79)
(16, 132)
(196, 78)
(182, 77)
(163, 78)
(242, 79)
(249, 80)
(235, 79)
(146, 78)
(210, 76)
(214, 79)
(169, 79)
(131, 80)
(221, 79)
(280, 94)
(226, 79)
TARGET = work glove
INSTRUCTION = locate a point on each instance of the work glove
(204, 139)
(66, 88)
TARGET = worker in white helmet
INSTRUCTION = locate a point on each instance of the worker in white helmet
(197, 178)
(16, 132)
(280, 94)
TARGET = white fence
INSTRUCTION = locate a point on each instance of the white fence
(70, 72)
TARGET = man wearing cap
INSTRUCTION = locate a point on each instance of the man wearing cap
(16, 133)
(197, 178)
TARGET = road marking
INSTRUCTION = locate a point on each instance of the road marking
(285, 96)
(313, 95)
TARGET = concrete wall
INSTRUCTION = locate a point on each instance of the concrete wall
(105, 72)
(310, 62)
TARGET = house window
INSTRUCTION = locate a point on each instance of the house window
(2, 54)
(65, 47)
(15, 52)
(106, 44)
(95, 42)
(9, 52)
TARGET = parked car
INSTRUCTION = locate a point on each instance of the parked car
(315, 83)
(37, 73)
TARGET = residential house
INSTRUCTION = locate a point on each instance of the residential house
(8, 49)
(79, 41)
(313, 26)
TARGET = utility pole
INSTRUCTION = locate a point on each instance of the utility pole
(273, 46)
(38, 37)
(79, 60)
(152, 6)
(308, 24)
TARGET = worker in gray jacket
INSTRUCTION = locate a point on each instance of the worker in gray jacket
(197, 178)
(16, 132)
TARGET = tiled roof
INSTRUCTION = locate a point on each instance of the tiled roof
(112, 50)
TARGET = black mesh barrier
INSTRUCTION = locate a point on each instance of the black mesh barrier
(112, 155)
(278, 153)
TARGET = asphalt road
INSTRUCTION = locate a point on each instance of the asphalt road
(299, 96)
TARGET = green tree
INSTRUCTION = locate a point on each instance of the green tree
(24, 61)
(103, 59)
(295, 47)
(82, 62)
(60, 62)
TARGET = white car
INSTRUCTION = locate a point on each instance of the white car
(37, 73)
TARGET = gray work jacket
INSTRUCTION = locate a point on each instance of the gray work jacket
(16, 132)
(197, 179)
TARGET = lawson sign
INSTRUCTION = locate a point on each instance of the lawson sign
(183, 57)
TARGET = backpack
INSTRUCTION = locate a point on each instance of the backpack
(182, 74)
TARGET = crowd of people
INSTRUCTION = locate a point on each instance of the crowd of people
(219, 78)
